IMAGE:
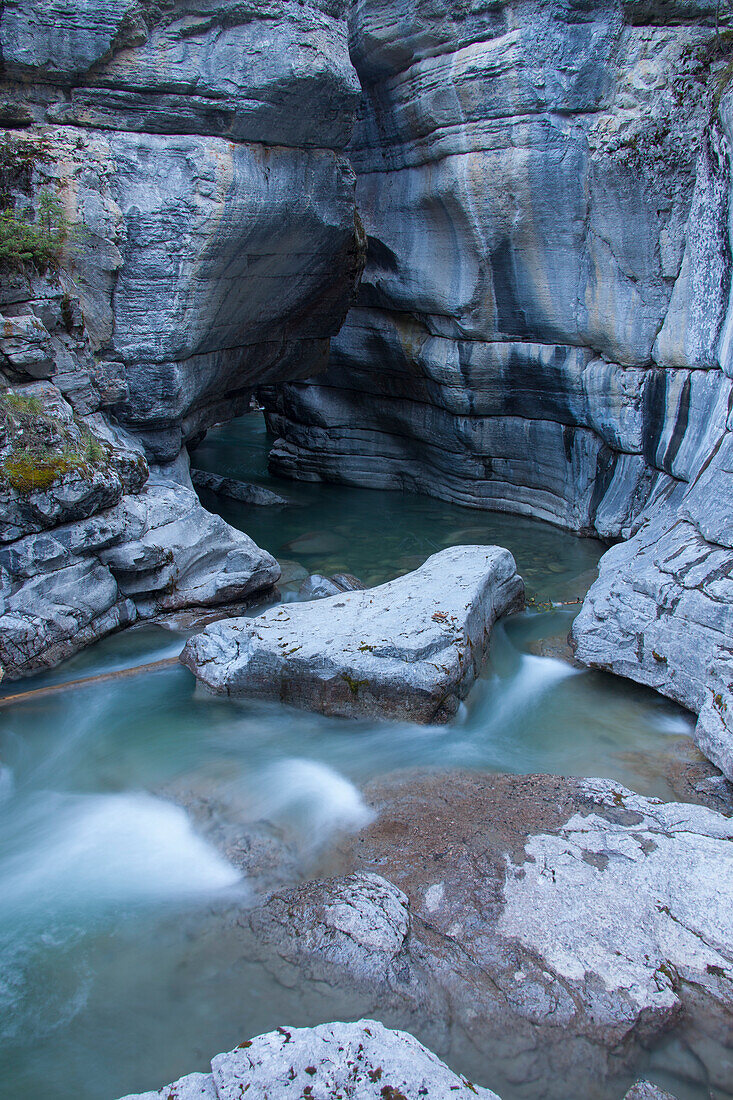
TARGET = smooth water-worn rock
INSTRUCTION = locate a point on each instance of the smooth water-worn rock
(410, 648)
(357, 1061)
(89, 540)
(211, 245)
(156, 550)
(661, 612)
(317, 587)
(235, 490)
(200, 148)
(545, 200)
(545, 323)
(567, 924)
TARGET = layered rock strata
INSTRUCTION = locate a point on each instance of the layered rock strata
(544, 324)
(362, 1060)
(410, 648)
(210, 245)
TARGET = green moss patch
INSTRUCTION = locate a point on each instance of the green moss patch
(41, 448)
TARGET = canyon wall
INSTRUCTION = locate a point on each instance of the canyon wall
(544, 324)
(195, 147)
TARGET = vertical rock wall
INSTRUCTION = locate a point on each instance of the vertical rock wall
(544, 324)
(196, 148)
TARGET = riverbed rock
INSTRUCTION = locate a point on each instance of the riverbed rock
(645, 1090)
(410, 648)
(357, 925)
(235, 490)
(559, 926)
(316, 587)
(363, 1060)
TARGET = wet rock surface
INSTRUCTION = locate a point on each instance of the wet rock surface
(566, 925)
(362, 1060)
(235, 490)
(409, 648)
(317, 587)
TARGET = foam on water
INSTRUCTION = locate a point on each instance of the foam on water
(512, 697)
(311, 795)
(681, 725)
(92, 851)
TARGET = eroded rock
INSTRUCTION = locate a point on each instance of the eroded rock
(563, 925)
(363, 1061)
(411, 648)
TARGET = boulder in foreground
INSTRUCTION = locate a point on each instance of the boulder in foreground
(363, 1060)
(410, 648)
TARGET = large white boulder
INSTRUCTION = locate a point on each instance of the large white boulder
(410, 648)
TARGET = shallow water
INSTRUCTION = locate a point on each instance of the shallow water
(116, 971)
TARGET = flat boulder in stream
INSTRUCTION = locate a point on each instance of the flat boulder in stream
(410, 648)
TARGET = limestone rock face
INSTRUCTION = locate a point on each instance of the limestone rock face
(89, 540)
(545, 202)
(195, 148)
(359, 1061)
(545, 325)
(410, 648)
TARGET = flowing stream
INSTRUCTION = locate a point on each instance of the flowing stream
(116, 973)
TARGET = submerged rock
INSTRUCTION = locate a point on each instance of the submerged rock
(410, 648)
(362, 1060)
(317, 587)
(235, 490)
(357, 925)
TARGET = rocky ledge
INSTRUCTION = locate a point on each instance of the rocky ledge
(542, 933)
(92, 537)
(362, 1060)
(410, 648)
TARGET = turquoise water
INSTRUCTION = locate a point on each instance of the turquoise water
(120, 968)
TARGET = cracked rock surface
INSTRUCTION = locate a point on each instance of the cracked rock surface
(566, 925)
